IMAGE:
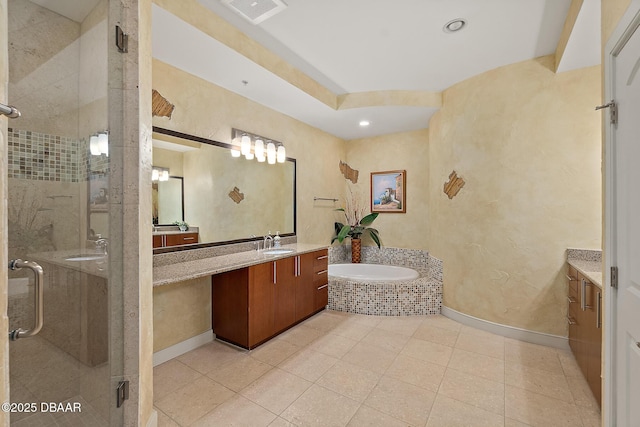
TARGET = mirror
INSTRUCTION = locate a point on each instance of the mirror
(167, 200)
(229, 199)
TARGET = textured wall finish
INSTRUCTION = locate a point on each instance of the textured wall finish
(527, 142)
(181, 311)
(401, 151)
(206, 110)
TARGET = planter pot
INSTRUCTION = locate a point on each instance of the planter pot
(356, 246)
(183, 227)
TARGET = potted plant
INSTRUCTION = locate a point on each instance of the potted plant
(355, 227)
(183, 226)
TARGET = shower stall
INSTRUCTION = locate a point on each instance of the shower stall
(58, 215)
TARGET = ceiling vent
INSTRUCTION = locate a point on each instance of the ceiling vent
(255, 11)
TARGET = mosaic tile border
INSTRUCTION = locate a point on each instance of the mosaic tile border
(421, 296)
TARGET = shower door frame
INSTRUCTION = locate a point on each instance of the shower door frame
(130, 282)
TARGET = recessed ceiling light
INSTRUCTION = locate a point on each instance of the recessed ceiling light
(364, 123)
(454, 25)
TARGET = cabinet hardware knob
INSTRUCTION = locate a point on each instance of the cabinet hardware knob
(571, 278)
(572, 300)
(570, 320)
(322, 272)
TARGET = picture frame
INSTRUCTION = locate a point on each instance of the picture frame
(389, 191)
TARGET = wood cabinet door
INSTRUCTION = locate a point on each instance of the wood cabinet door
(230, 306)
(285, 293)
(157, 241)
(261, 303)
(305, 290)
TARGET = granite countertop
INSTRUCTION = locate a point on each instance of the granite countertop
(587, 262)
(187, 270)
(96, 267)
(163, 229)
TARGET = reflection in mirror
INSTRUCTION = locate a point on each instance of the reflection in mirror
(167, 200)
(228, 199)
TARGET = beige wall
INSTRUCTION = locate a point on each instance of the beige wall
(612, 11)
(209, 111)
(402, 151)
(527, 143)
(181, 311)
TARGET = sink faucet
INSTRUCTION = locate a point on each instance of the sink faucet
(101, 246)
(267, 239)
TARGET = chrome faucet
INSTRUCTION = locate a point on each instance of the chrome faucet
(101, 246)
(268, 239)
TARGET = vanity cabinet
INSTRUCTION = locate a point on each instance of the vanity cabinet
(174, 239)
(584, 316)
(253, 304)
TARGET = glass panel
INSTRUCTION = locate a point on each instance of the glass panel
(58, 210)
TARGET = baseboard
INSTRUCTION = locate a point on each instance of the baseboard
(183, 347)
(507, 331)
(153, 419)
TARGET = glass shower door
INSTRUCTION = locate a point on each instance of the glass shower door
(58, 213)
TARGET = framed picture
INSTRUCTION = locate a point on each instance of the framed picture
(388, 191)
(98, 193)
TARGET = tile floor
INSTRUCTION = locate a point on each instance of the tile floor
(339, 369)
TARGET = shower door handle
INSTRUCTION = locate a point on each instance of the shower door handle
(9, 111)
(17, 264)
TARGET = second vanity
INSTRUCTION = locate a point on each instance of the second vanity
(254, 295)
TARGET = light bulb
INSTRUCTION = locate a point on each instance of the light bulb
(258, 148)
(261, 159)
(245, 145)
(271, 153)
(164, 176)
(103, 143)
(282, 154)
(235, 150)
(93, 145)
(155, 174)
(249, 156)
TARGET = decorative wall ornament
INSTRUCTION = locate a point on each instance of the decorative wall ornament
(160, 106)
(348, 173)
(454, 185)
(389, 191)
(236, 195)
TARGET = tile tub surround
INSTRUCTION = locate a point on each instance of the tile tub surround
(420, 296)
(587, 262)
(192, 265)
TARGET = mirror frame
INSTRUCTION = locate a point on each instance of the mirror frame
(176, 134)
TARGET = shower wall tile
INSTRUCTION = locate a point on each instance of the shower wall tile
(43, 157)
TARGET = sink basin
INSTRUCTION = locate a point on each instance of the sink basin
(84, 257)
(277, 251)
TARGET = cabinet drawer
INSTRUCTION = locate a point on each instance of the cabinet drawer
(574, 283)
(320, 277)
(181, 239)
(322, 297)
(321, 261)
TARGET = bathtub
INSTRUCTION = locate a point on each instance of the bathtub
(383, 290)
(372, 272)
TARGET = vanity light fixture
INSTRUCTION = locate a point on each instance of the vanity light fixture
(159, 174)
(99, 144)
(257, 147)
